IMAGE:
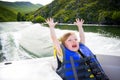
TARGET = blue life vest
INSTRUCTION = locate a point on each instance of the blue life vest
(75, 67)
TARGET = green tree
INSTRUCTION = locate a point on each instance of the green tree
(39, 19)
(116, 17)
(19, 16)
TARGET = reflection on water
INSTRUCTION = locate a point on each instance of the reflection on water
(109, 31)
(24, 40)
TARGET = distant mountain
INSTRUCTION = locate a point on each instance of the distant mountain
(92, 11)
(23, 7)
(6, 14)
(11, 9)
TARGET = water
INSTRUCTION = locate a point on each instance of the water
(25, 40)
(27, 49)
(105, 30)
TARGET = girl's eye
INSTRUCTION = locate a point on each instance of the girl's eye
(75, 39)
(69, 40)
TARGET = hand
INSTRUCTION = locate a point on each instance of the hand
(79, 22)
(50, 22)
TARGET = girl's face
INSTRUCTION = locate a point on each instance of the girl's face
(72, 43)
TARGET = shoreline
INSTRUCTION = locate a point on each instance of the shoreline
(86, 24)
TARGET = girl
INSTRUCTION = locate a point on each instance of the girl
(73, 55)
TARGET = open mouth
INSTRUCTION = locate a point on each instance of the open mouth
(74, 46)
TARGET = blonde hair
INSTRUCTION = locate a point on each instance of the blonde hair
(65, 37)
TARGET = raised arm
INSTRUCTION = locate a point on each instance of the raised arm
(79, 23)
(56, 42)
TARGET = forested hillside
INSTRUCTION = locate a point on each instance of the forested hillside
(23, 7)
(6, 14)
(10, 10)
(92, 11)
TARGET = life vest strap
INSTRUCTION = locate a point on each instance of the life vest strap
(83, 68)
(73, 68)
(82, 60)
(82, 76)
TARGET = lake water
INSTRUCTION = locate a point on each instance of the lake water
(25, 40)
